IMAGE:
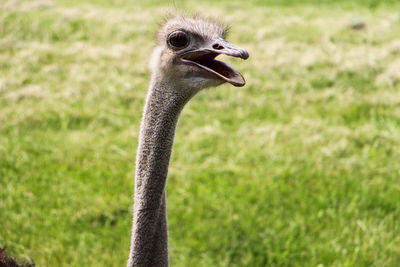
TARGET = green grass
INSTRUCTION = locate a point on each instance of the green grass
(299, 168)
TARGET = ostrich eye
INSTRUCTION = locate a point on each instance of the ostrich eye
(178, 39)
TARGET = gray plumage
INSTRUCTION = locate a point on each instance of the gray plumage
(182, 64)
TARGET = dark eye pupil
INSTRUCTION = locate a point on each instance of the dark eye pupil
(178, 40)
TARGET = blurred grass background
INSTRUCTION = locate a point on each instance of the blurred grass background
(299, 168)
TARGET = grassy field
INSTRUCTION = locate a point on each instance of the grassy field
(301, 167)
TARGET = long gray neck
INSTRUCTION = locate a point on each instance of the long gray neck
(149, 243)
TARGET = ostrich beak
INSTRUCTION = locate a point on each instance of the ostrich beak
(204, 58)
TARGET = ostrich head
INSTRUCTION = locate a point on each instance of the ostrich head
(187, 50)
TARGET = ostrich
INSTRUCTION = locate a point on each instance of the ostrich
(8, 261)
(182, 64)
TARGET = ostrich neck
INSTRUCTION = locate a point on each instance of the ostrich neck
(149, 244)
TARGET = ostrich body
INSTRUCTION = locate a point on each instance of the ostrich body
(182, 64)
(8, 261)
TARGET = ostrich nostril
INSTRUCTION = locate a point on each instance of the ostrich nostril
(217, 46)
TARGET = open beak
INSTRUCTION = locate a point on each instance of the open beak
(204, 58)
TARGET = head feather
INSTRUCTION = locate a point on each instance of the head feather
(195, 23)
